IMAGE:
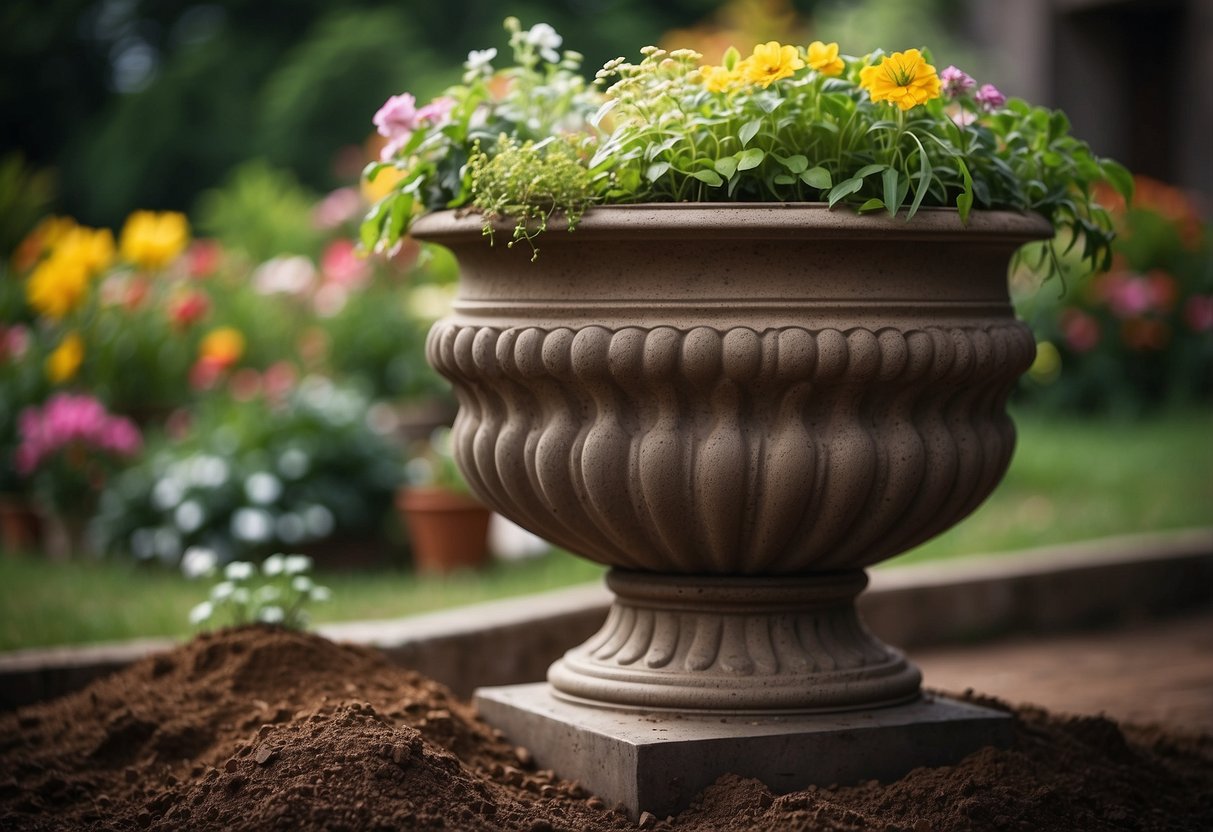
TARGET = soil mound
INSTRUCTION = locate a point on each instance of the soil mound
(267, 729)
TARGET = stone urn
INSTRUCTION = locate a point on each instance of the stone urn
(738, 408)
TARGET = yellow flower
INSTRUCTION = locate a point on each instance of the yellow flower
(94, 247)
(769, 63)
(222, 347)
(152, 240)
(823, 57)
(58, 285)
(62, 364)
(717, 78)
(383, 184)
(902, 78)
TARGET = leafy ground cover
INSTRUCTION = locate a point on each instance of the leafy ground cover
(1070, 480)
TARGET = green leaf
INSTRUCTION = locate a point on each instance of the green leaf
(817, 177)
(872, 204)
(400, 216)
(726, 167)
(892, 200)
(731, 57)
(711, 177)
(844, 189)
(656, 171)
(1119, 177)
(600, 114)
(749, 130)
(751, 158)
(924, 178)
(964, 200)
(796, 164)
(784, 179)
(868, 170)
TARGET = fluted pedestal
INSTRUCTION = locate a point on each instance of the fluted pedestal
(735, 645)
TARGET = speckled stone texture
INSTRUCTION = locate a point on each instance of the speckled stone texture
(736, 392)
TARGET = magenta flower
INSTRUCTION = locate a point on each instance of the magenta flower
(69, 420)
(990, 98)
(956, 82)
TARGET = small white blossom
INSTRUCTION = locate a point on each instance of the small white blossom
(241, 596)
(271, 615)
(293, 463)
(273, 565)
(239, 570)
(320, 594)
(478, 62)
(189, 516)
(266, 594)
(198, 561)
(222, 591)
(547, 40)
(319, 521)
(302, 584)
(167, 493)
(263, 487)
(290, 528)
(201, 613)
(296, 564)
(253, 525)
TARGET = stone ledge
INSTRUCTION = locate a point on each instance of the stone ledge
(514, 640)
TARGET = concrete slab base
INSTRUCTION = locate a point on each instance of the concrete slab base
(659, 761)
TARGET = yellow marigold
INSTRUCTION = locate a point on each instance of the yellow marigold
(152, 240)
(717, 78)
(769, 63)
(58, 285)
(903, 78)
(823, 57)
(94, 247)
(62, 364)
(383, 184)
(222, 346)
(41, 240)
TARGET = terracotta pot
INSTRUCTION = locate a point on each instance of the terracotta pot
(20, 525)
(448, 530)
(739, 407)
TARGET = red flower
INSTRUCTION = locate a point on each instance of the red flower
(189, 309)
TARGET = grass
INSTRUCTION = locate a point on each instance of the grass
(1070, 480)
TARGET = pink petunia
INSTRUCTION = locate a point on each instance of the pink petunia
(956, 82)
(989, 97)
(397, 116)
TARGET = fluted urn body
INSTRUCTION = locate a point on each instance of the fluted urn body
(739, 408)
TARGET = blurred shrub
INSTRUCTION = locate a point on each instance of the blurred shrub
(1140, 335)
(248, 477)
(260, 211)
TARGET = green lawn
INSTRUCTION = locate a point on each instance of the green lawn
(1070, 480)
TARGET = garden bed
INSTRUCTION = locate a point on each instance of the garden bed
(272, 729)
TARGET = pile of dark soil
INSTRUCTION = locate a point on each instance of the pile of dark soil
(265, 729)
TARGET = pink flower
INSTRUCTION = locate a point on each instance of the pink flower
(1080, 329)
(14, 342)
(397, 115)
(438, 111)
(990, 98)
(341, 264)
(338, 208)
(956, 82)
(203, 257)
(1198, 313)
(69, 420)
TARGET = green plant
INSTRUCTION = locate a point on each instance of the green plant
(276, 594)
(784, 124)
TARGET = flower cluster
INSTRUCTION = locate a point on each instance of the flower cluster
(72, 424)
(277, 594)
(786, 123)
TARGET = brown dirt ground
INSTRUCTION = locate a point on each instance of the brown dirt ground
(265, 729)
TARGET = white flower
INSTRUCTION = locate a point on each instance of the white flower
(263, 487)
(222, 591)
(167, 544)
(295, 564)
(239, 570)
(546, 38)
(167, 492)
(252, 525)
(478, 61)
(293, 463)
(273, 565)
(189, 516)
(302, 584)
(290, 528)
(198, 561)
(209, 471)
(201, 613)
(320, 594)
(288, 275)
(240, 596)
(319, 521)
(271, 615)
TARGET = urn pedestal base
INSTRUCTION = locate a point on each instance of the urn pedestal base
(659, 762)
